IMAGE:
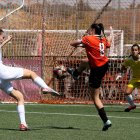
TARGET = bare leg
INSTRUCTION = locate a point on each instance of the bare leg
(95, 97)
(128, 95)
(83, 66)
(129, 98)
(95, 92)
(28, 74)
(16, 94)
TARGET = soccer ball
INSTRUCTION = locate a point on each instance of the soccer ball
(60, 72)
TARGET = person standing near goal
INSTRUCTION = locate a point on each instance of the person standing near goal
(133, 61)
(95, 46)
(8, 74)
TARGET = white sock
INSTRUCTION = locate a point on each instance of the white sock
(129, 98)
(21, 112)
(40, 82)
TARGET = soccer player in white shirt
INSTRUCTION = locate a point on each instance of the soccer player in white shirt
(8, 74)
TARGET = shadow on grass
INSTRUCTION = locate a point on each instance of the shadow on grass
(66, 128)
(40, 128)
(49, 127)
(12, 129)
(56, 127)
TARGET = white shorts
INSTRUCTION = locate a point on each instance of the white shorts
(8, 74)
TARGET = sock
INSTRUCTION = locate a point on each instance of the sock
(102, 114)
(40, 82)
(21, 112)
(129, 98)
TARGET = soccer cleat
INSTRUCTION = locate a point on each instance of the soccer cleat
(107, 125)
(23, 127)
(50, 90)
(71, 72)
(130, 108)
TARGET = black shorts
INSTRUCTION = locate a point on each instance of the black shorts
(96, 75)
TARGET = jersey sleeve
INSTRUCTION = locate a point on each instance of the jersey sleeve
(84, 40)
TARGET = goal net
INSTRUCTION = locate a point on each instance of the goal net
(78, 91)
(25, 50)
(42, 31)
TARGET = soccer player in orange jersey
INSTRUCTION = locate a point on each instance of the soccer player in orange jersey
(95, 45)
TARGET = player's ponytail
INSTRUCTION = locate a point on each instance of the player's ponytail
(97, 28)
(102, 28)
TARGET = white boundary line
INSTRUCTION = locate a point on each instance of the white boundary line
(66, 105)
(67, 114)
(70, 105)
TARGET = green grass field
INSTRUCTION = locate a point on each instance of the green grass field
(69, 122)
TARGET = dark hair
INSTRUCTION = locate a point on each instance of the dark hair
(135, 45)
(1, 31)
(98, 28)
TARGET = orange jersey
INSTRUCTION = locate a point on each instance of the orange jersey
(95, 48)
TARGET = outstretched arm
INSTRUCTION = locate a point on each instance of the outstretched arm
(6, 41)
(110, 37)
(76, 43)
